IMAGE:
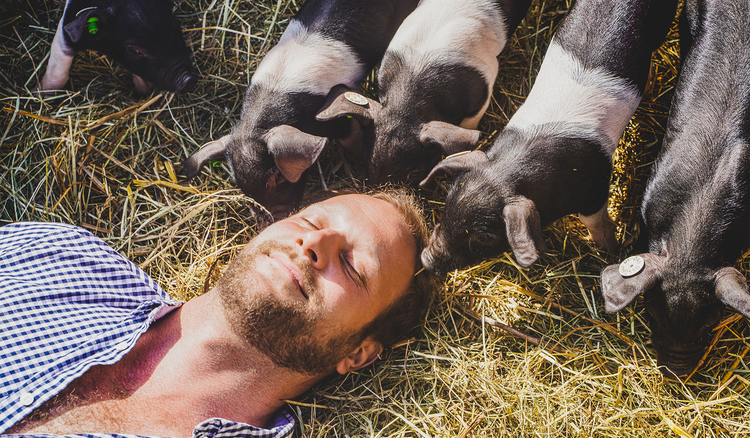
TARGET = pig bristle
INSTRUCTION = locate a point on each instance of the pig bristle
(101, 157)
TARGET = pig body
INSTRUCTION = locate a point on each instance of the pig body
(434, 84)
(142, 35)
(695, 207)
(329, 44)
(554, 156)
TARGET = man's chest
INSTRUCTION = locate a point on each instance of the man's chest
(99, 401)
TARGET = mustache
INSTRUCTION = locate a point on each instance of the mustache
(309, 283)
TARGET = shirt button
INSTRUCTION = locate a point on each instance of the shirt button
(122, 346)
(27, 399)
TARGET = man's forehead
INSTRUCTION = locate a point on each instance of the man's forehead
(386, 221)
(334, 204)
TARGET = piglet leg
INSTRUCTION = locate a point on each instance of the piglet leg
(58, 67)
(601, 229)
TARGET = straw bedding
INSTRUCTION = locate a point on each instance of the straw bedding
(103, 158)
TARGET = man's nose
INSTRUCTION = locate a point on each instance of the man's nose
(321, 246)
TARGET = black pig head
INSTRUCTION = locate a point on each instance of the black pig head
(142, 35)
(683, 303)
(482, 218)
(405, 152)
(268, 167)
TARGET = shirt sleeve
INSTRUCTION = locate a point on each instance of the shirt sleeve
(212, 428)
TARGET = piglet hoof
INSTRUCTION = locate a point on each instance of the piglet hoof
(601, 230)
(40, 92)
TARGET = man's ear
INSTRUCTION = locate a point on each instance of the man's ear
(363, 355)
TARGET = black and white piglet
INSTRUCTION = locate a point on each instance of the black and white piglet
(555, 155)
(696, 205)
(142, 35)
(327, 43)
(434, 84)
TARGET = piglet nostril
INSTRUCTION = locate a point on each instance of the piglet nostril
(186, 82)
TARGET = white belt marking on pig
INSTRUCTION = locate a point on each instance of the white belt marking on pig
(60, 60)
(304, 61)
(586, 99)
(471, 33)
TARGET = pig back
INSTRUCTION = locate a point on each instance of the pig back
(697, 198)
(620, 38)
(366, 26)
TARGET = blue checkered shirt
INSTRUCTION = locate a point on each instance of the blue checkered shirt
(69, 302)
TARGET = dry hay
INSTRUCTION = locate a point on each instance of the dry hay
(105, 159)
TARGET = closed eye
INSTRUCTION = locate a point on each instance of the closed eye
(352, 273)
(310, 224)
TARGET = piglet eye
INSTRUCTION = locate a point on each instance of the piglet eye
(712, 321)
(278, 178)
(135, 52)
(431, 144)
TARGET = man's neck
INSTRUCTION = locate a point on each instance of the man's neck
(188, 367)
(228, 373)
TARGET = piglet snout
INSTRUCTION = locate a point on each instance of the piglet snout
(185, 82)
(676, 365)
(436, 258)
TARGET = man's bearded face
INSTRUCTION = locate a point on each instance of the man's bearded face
(304, 290)
(291, 333)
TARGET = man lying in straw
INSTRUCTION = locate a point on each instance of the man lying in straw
(90, 344)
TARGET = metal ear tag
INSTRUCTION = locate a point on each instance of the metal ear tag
(356, 98)
(631, 266)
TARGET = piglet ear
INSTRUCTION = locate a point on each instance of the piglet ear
(731, 289)
(293, 150)
(524, 230)
(213, 150)
(623, 282)
(89, 20)
(447, 137)
(455, 164)
(342, 102)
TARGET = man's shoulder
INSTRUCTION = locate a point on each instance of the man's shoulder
(20, 236)
(39, 229)
(55, 255)
(69, 301)
(44, 260)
